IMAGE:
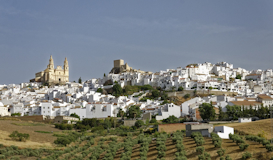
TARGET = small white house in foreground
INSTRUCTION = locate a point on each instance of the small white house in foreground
(223, 131)
(243, 120)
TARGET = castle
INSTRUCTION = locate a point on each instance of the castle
(120, 67)
(53, 76)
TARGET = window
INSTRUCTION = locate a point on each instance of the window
(44, 111)
(48, 111)
(48, 107)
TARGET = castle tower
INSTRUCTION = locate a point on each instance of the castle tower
(66, 69)
(51, 63)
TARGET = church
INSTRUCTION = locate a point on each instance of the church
(53, 76)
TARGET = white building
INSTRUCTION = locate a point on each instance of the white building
(223, 131)
(168, 110)
(4, 110)
(244, 120)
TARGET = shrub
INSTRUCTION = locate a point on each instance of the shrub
(186, 96)
(99, 128)
(200, 149)
(269, 148)
(221, 152)
(15, 158)
(153, 120)
(15, 135)
(218, 144)
(246, 155)
(265, 142)
(199, 141)
(243, 146)
(139, 123)
(201, 157)
(2, 157)
(180, 88)
(228, 157)
(207, 155)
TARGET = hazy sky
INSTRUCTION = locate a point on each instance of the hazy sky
(150, 35)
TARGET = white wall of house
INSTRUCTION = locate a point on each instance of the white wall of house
(46, 109)
(100, 110)
(81, 112)
(169, 110)
(17, 108)
(223, 131)
(4, 110)
(244, 120)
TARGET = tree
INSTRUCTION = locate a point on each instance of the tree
(171, 119)
(139, 123)
(99, 90)
(221, 114)
(133, 112)
(80, 80)
(107, 124)
(117, 90)
(180, 88)
(153, 120)
(146, 87)
(104, 75)
(120, 113)
(234, 111)
(238, 76)
(155, 93)
(262, 112)
(207, 111)
(186, 96)
(210, 88)
(194, 92)
(74, 115)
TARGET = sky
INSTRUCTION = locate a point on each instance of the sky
(150, 35)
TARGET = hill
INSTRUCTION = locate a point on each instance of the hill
(37, 139)
(253, 128)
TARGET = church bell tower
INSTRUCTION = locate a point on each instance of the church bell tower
(66, 69)
(51, 64)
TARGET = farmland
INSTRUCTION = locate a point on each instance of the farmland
(133, 146)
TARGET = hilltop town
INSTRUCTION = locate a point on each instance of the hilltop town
(51, 94)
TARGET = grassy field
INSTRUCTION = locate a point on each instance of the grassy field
(28, 124)
(254, 128)
(37, 139)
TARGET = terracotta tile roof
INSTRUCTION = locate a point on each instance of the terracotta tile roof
(247, 103)
(265, 97)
